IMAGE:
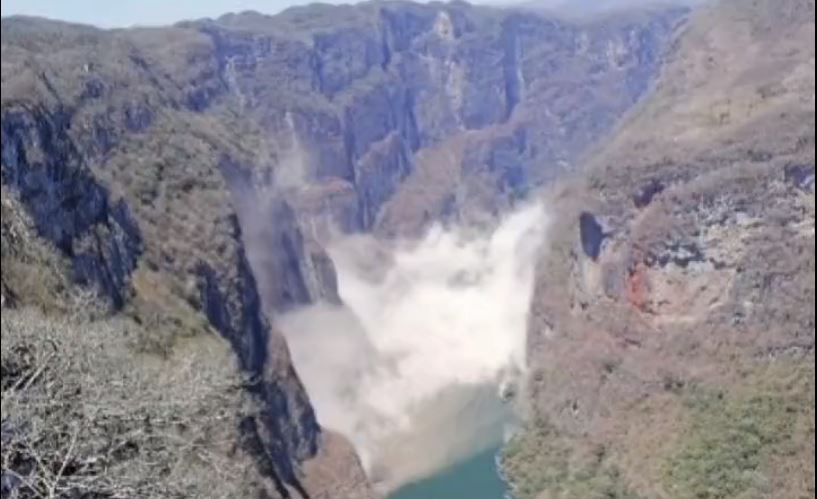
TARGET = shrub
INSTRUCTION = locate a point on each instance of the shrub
(83, 416)
(544, 462)
(733, 438)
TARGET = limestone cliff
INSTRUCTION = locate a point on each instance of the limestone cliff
(387, 116)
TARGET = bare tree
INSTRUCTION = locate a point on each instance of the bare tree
(84, 416)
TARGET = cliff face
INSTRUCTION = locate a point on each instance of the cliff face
(672, 329)
(188, 173)
(121, 173)
(100, 236)
(386, 116)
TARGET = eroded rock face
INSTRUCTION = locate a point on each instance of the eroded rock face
(69, 207)
(378, 87)
(285, 432)
(802, 176)
(591, 234)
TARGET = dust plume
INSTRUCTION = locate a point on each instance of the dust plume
(410, 369)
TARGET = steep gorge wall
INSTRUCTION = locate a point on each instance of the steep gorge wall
(672, 328)
(119, 171)
(391, 116)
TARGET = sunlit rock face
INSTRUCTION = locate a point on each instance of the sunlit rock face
(388, 116)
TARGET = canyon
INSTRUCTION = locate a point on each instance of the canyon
(608, 219)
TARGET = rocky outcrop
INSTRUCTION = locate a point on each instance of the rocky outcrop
(68, 206)
(591, 234)
(284, 432)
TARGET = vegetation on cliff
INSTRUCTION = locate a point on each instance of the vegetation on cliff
(675, 359)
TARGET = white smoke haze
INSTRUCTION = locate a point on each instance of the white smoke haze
(291, 167)
(410, 369)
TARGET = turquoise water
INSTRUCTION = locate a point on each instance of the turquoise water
(476, 478)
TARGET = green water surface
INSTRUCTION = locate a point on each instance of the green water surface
(476, 478)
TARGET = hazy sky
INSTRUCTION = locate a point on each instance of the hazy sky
(111, 13)
(115, 13)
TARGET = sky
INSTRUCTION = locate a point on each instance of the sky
(118, 13)
(121, 13)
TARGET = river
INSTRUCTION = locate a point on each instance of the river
(476, 478)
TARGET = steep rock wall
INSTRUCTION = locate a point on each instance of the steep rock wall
(359, 95)
(674, 306)
(132, 196)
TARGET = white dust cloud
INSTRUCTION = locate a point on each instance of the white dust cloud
(409, 370)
